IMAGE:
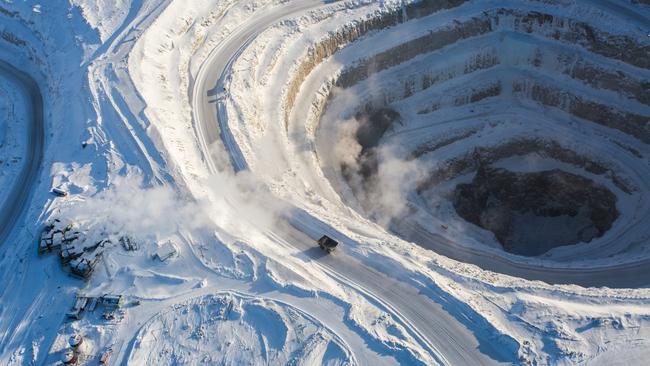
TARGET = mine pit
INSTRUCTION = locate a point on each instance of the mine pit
(531, 213)
(505, 85)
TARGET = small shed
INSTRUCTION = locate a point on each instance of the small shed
(80, 303)
(92, 305)
(83, 266)
(128, 244)
(69, 253)
(113, 300)
(57, 239)
(71, 235)
(165, 251)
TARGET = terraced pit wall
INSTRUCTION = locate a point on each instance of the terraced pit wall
(348, 34)
(609, 116)
(548, 26)
(520, 146)
(553, 27)
(619, 47)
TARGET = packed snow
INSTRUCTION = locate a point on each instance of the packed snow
(227, 328)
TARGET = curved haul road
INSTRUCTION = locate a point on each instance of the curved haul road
(16, 198)
(430, 322)
(439, 332)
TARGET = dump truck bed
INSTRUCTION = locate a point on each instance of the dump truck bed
(327, 243)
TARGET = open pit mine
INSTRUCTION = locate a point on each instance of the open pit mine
(316, 182)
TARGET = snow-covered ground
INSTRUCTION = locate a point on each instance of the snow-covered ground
(213, 127)
(226, 328)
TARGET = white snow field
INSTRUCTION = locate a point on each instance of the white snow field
(227, 329)
(168, 166)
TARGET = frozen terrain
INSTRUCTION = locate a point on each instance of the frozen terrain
(167, 167)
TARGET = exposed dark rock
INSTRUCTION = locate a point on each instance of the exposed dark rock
(531, 213)
(372, 126)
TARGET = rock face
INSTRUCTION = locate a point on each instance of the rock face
(531, 213)
(372, 126)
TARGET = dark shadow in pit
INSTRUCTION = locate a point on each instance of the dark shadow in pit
(532, 213)
(373, 124)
